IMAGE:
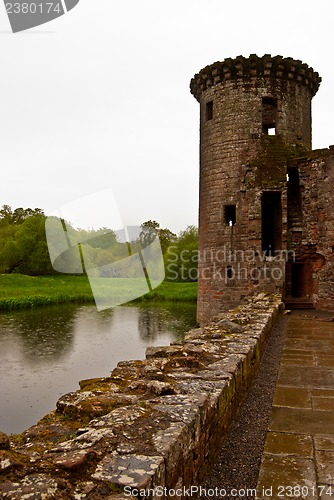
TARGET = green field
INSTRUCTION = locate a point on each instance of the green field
(18, 291)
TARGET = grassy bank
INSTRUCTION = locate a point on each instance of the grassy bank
(18, 291)
(173, 291)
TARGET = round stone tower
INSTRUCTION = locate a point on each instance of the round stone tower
(255, 118)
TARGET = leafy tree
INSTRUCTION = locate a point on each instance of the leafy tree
(24, 247)
(166, 238)
(6, 215)
(30, 241)
(23, 242)
(148, 233)
(18, 216)
(181, 259)
(9, 257)
(100, 238)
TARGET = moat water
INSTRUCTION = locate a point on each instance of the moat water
(45, 352)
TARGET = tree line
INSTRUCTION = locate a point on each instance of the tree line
(24, 246)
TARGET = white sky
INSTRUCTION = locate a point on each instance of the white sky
(99, 98)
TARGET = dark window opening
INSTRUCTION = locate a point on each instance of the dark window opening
(293, 179)
(230, 214)
(297, 280)
(209, 111)
(271, 222)
(269, 115)
(229, 272)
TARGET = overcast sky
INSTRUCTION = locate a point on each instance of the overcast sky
(99, 98)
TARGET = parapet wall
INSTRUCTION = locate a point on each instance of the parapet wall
(157, 422)
(254, 66)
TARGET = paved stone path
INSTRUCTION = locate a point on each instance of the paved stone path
(298, 459)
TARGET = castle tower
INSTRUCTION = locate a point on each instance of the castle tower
(255, 118)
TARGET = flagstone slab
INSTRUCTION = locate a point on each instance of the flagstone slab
(293, 397)
(279, 475)
(301, 421)
(306, 376)
(289, 444)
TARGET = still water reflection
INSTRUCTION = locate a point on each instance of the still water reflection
(45, 352)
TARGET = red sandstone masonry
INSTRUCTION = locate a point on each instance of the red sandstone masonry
(242, 165)
(153, 423)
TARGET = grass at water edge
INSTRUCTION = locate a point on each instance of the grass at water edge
(19, 291)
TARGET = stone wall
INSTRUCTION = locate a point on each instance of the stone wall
(157, 422)
(313, 241)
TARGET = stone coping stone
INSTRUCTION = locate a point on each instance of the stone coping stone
(153, 423)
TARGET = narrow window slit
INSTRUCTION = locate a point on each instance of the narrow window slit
(269, 115)
(271, 222)
(230, 214)
(209, 110)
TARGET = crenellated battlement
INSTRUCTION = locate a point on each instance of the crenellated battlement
(254, 66)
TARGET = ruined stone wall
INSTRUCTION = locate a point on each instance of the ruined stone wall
(315, 244)
(154, 423)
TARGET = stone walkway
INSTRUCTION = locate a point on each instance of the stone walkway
(298, 459)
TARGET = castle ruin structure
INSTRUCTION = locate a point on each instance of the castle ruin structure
(266, 212)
